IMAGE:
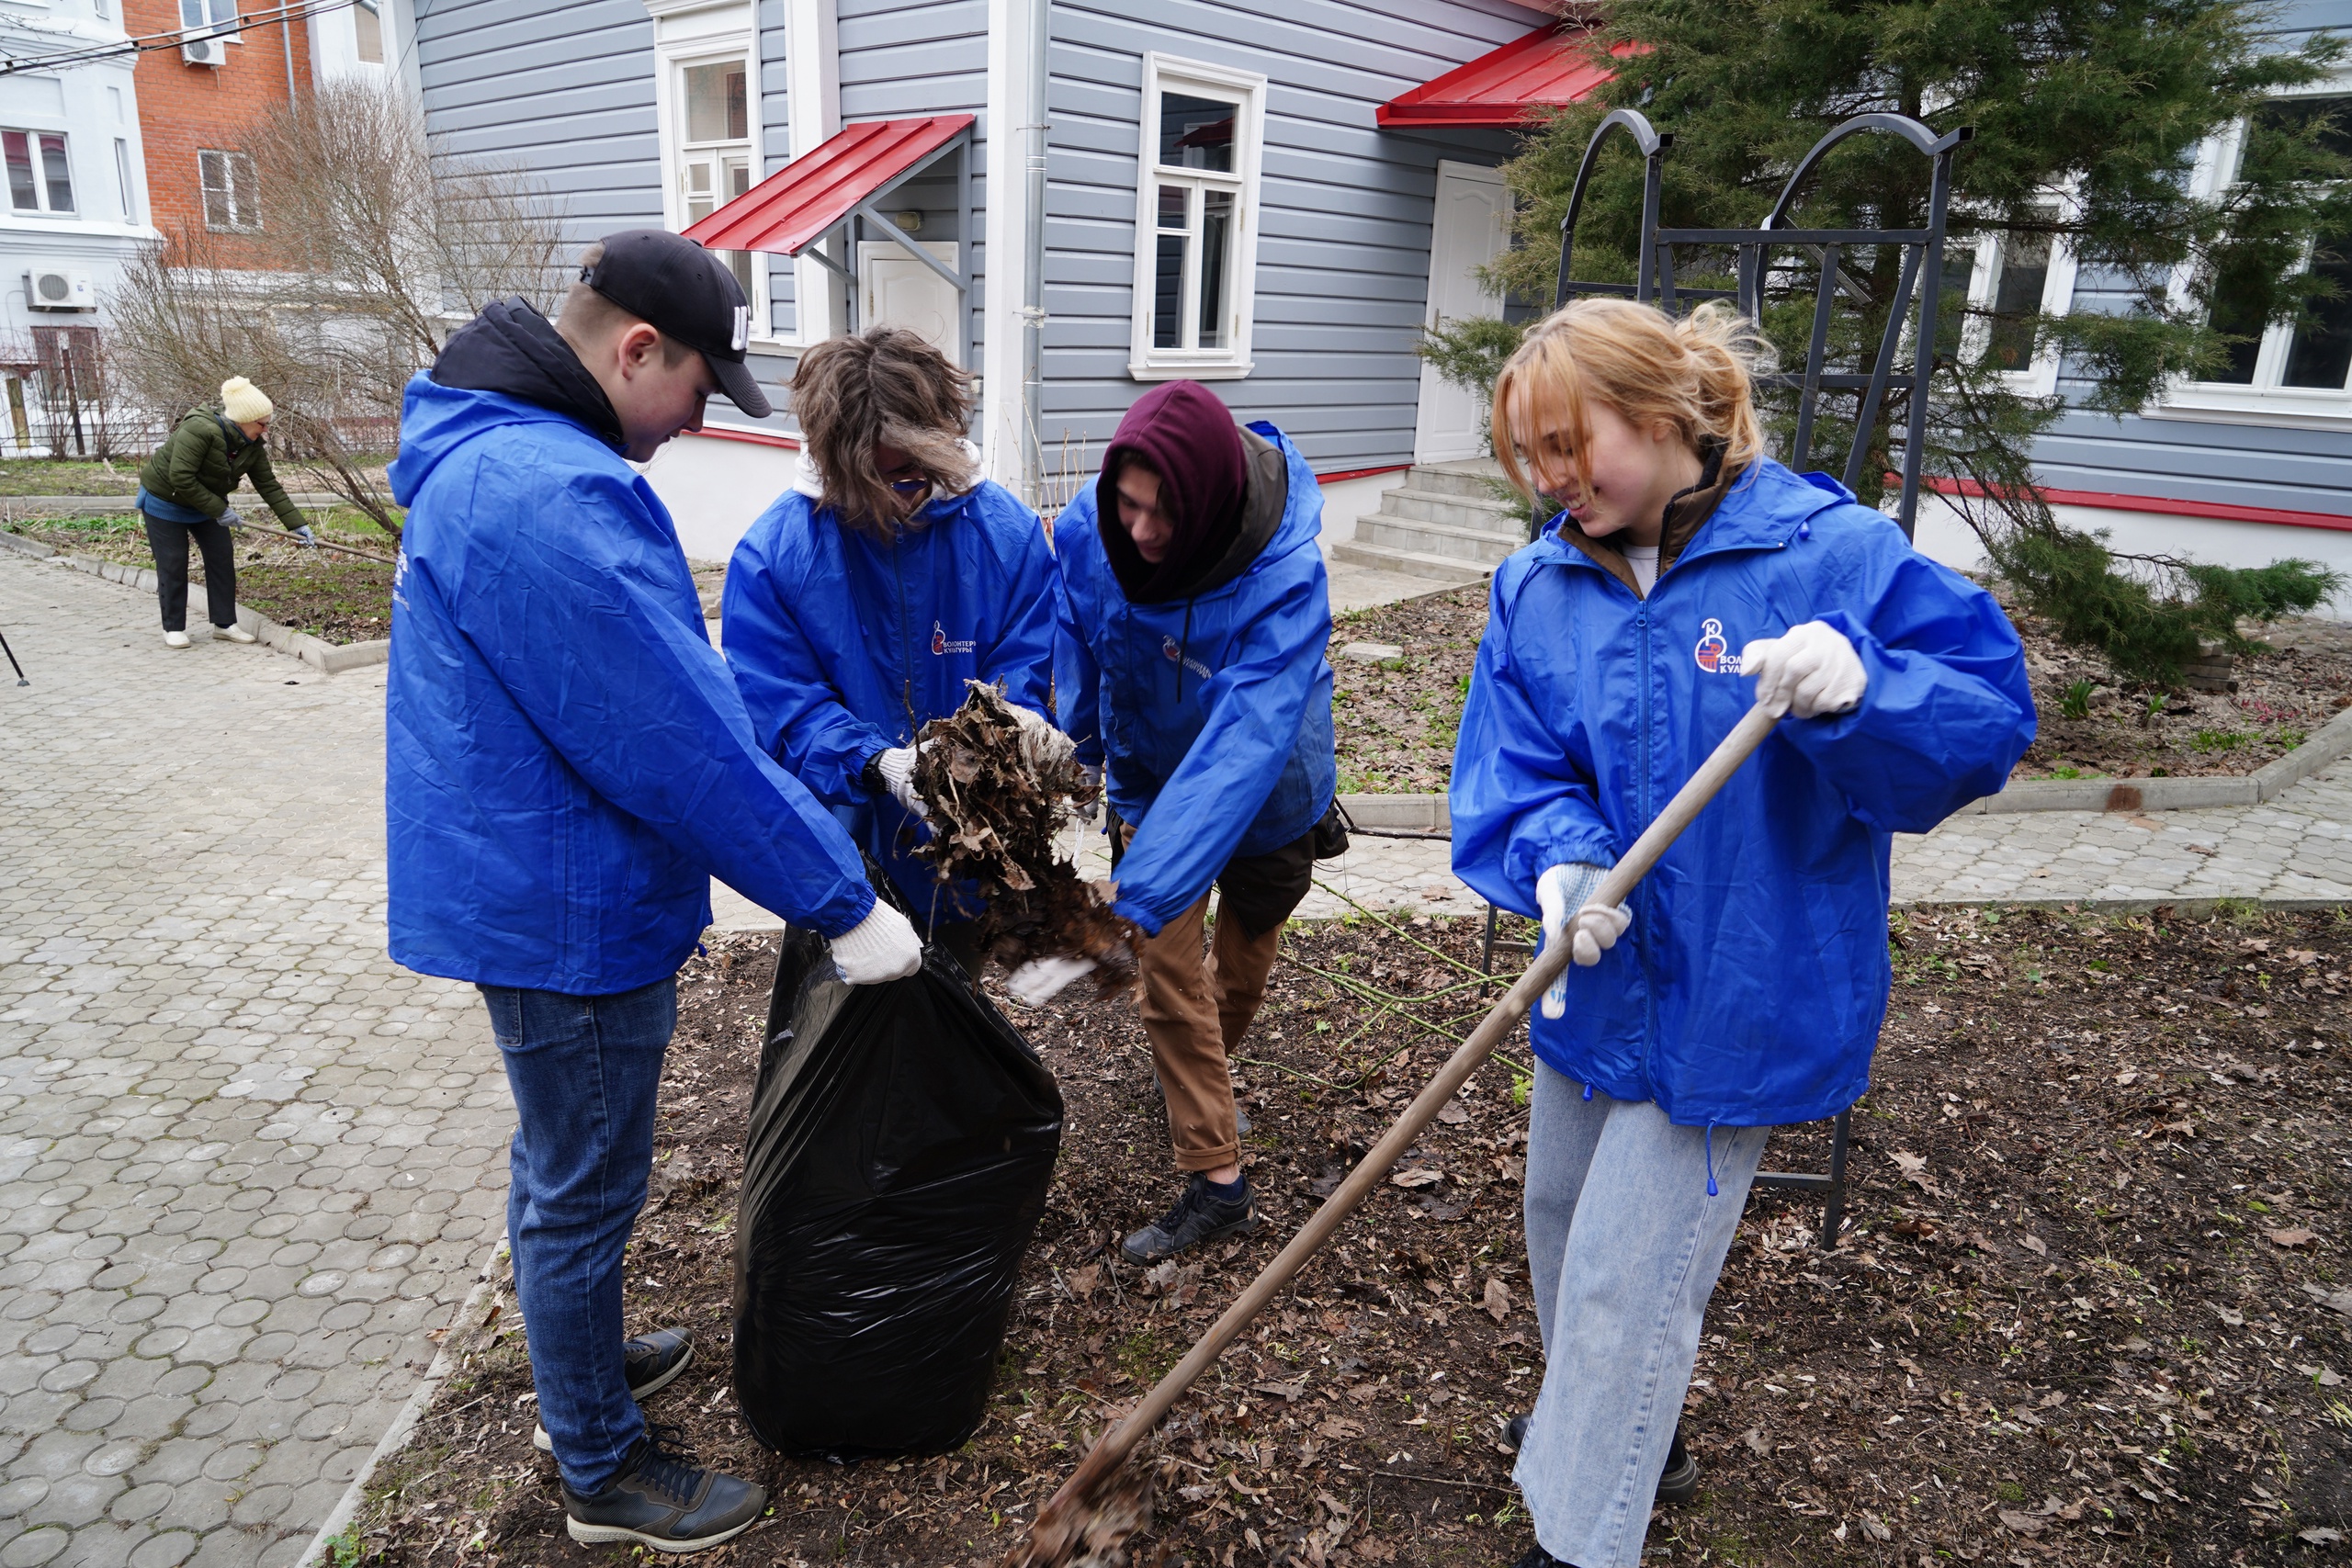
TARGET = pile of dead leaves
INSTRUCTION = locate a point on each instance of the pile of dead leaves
(998, 810)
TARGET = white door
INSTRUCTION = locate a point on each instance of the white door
(895, 289)
(1472, 229)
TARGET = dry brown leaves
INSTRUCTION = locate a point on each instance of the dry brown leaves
(997, 814)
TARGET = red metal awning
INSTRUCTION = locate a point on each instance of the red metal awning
(793, 207)
(1502, 87)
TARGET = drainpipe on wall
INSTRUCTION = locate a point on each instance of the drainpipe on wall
(285, 36)
(1033, 242)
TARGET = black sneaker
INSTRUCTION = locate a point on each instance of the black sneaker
(660, 1500)
(1199, 1215)
(653, 1362)
(1538, 1558)
(1679, 1483)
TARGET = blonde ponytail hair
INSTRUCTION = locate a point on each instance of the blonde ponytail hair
(1696, 375)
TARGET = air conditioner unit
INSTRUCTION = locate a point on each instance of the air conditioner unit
(205, 50)
(59, 289)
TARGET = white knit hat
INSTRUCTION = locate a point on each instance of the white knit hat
(245, 402)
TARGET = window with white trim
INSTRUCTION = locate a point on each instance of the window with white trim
(41, 178)
(2007, 280)
(2290, 367)
(1196, 219)
(712, 98)
(231, 193)
(368, 32)
(206, 18)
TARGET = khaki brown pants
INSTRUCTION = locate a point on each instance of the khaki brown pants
(1196, 1006)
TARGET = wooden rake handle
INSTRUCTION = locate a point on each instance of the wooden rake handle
(1112, 1449)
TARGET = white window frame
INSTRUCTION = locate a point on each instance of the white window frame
(693, 32)
(2265, 401)
(217, 14)
(2039, 379)
(32, 136)
(203, 190)
(1165, 73)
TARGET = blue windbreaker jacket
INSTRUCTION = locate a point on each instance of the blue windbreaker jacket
(567, 761)
(1213, 715)
(1752, 986)
(843, 647)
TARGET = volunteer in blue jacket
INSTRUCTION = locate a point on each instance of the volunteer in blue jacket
(889, 575)
(1190, 663)
(567, 765)
(1744, 984)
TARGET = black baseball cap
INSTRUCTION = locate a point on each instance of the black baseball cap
(672, 283)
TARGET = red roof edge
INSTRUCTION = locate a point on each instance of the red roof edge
(1501, 87)
(793, 207)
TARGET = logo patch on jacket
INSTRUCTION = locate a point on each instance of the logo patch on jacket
(1174, 654)
(1715, 654)
(943, 644)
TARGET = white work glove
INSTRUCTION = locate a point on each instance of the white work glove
(1808, 671)
(231, 519)
(1092, 774)
(1041, 744)
(1040, 980)
(308, 535)
(897, 767)
(1564, 894)
(883, 946)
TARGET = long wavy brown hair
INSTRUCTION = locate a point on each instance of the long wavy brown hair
(883, 386)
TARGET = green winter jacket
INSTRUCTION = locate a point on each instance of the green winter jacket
(202, 460)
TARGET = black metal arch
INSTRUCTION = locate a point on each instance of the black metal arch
(1921, 274)
(1653, 146)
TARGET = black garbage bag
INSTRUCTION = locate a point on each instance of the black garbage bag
(902, 1137)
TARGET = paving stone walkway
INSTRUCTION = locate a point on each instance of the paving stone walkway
(246, 1163)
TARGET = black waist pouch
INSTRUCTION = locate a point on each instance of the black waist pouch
(902, 1138)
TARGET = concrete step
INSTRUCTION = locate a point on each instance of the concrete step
(1438, 569)
(1481, 547)
(1471, 477)
(1437, 506)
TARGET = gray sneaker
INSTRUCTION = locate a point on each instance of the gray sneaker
(1199, 1215)
(653, 1362)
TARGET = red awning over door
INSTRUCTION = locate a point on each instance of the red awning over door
(793, 207)
(1501, 88)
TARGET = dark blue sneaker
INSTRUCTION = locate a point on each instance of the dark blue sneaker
(661, 1499)
(1199, 1215)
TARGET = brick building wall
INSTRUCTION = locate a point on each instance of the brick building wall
(185, 111)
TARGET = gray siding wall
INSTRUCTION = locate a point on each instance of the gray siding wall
(562, 87)
(775, 142)
(1343, 228)
(2293, 468)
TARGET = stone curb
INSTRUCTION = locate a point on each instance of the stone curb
(403, 1427)
(2327, 745)
(331, 658)
(13, 506)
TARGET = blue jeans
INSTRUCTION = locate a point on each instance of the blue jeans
(1623, 1245)
(583, 1070)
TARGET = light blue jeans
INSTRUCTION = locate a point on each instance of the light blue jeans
(1624, 1244)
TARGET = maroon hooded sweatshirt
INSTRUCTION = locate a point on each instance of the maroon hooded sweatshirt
(1183, 433)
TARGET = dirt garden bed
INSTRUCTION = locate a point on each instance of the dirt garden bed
(2091, 1306)
(335, 597)
(1395, 719)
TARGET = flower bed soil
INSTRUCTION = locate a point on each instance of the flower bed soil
(335, 597)
(2090, 1306)
(1395, 720)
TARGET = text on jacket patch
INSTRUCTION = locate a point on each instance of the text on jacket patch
(1173, 654)
(943, 644)
(1714, 654)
